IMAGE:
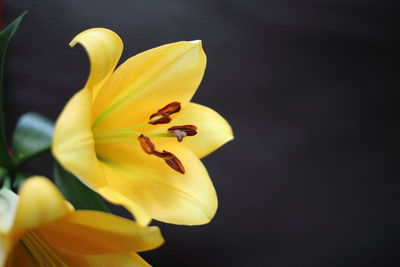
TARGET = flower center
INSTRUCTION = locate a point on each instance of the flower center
(162, 116)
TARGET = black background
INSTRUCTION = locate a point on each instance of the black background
(309, 87)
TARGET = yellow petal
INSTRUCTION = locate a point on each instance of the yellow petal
(104, 48)
(20, 256)
(147, 82)
(141, 216)
(4, 248)
(102, 260)
(213, 130)
(73, 144)
(94, 232)
(163, 193)
(40, 202)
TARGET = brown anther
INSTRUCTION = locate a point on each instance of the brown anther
(171, 108)
(165, 112)
(183, 131)
(146, 144)
(164, 118)
(158, 114)
(171, 160)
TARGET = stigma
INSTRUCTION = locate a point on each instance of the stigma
(182, 131)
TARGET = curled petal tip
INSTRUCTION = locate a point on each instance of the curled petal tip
(72, 43)
(196, 42)
(104, 48)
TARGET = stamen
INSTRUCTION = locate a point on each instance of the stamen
(169, 158)
(164, 118)
(183, 131)
(164, 113)
(169, 109)
(146, 144)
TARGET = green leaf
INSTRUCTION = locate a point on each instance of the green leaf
(80, 196)
(18, 180)
(5, 36)
(3, 175)
(32, 136)
(7, 182)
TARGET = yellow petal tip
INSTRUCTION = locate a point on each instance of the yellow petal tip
(40, 202)
(104, 48)
(73, 43)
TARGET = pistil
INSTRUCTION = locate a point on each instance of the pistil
(182, 131)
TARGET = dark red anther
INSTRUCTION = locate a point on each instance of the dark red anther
(146, 144)
(176, 164)
(165, 112)
(171, 160)
(183, 131)
(164, 118)
(190, 130)
(158, 114)
(171, 108)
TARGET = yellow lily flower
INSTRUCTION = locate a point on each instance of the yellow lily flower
(40, 228)
(134, 136)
